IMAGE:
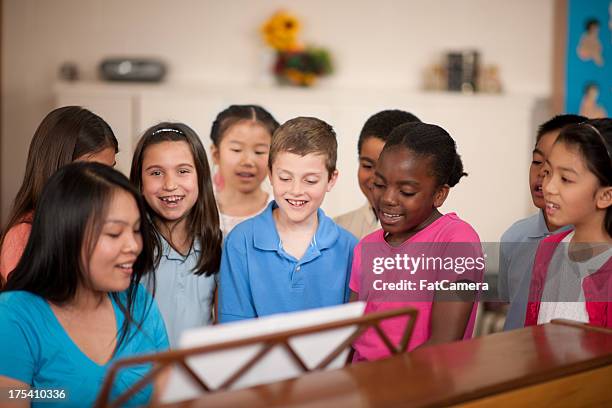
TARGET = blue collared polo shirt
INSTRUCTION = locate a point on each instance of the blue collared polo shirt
(258, 278)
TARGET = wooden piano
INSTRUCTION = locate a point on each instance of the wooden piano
(558, 364)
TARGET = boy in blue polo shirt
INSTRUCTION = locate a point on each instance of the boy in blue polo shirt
(292, 256)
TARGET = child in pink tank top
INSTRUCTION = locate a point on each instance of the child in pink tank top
(416, 169)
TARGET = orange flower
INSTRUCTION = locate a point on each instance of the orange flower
(281, 31)
(300, 78)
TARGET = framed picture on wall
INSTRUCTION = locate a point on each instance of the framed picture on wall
(583, 57)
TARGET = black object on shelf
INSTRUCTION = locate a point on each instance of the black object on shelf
(462, 68)
(132, 69)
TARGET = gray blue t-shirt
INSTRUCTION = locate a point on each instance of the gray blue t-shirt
(518, 248)
(185, 300)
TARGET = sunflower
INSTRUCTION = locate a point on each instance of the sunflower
(281, 30)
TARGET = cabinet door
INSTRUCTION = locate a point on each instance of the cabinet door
(117, 111)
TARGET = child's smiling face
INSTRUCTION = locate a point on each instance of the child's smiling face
(299, 184)
(405, 193)
(169, 180)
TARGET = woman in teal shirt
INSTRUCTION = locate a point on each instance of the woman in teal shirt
(74, 305)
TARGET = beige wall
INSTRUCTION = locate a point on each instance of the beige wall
(377, 44)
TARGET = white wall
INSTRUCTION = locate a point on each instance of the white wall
(377, 44)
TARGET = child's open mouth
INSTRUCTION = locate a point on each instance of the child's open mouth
(171, 201)
(245, 175)
(551, 208)
(297, 203)
(537, 190)
(389, 218)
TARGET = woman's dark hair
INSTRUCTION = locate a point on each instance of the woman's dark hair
(73, 207)
(237, 113)
(203, 219)
(434, 143)
(63, 136)
(593, 139)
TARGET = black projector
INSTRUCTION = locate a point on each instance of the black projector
(132, 69)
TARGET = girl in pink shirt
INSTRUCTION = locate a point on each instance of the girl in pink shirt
(65, 135)
(416, 169)
(572, 275)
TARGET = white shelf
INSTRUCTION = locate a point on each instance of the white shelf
(315, 93)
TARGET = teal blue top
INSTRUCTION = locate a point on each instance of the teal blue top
(37, 350)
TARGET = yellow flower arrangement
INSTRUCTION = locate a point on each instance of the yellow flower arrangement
(295, 64)
(281, 31)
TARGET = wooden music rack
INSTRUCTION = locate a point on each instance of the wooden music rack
(162, 361)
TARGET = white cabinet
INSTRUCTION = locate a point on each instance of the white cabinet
(494, 133)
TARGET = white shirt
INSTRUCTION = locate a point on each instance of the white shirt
(228, 222)
(359, 222)
(563, 296)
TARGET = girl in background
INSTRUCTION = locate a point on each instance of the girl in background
(171, 171)
(574, 280)
(73, 305)
(416, 169)
(241, 136)
(65, 135)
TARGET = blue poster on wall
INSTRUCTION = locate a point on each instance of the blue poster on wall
(588, 82)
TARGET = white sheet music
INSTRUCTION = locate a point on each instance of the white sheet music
(215, 368)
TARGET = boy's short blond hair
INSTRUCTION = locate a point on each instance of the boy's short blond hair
(305, 135)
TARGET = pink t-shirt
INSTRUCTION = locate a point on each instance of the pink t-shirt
(13, 246)
(447, 229)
